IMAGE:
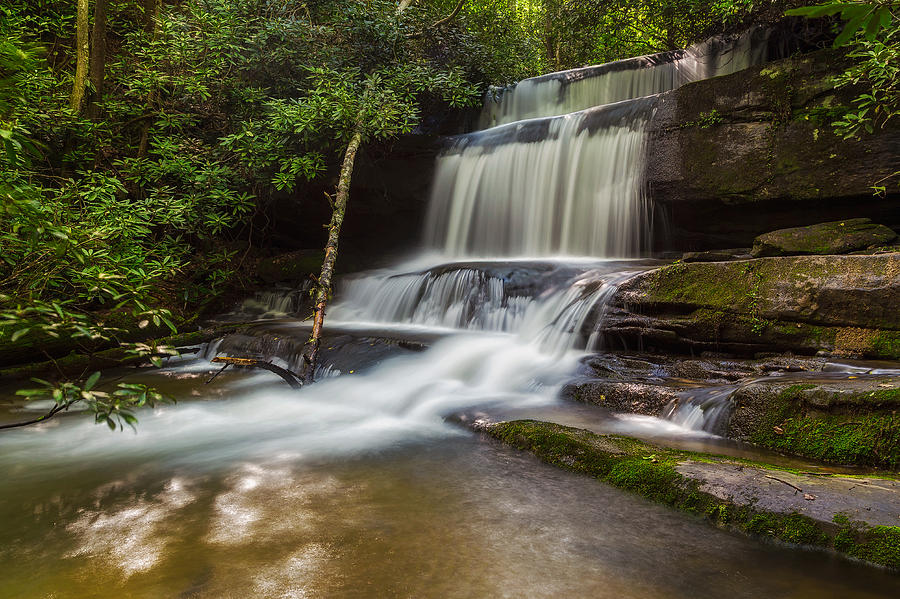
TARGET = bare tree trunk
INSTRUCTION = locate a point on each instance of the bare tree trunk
(97, 70)
(323, 292)
(82, 48)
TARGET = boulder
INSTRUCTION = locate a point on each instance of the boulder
(839, 237)
(800, 304)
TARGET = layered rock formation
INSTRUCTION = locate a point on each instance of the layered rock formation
(804, 304)
(733, 157)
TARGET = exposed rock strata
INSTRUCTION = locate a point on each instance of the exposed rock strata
(804, 304)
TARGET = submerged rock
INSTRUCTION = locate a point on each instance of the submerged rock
(839, 237)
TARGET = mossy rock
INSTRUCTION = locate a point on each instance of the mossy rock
(852, 422)
(680, 479)
(838, 237)
(801, 304)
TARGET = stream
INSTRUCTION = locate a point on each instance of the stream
(368, 483)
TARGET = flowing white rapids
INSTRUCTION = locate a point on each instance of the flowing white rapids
(577, 89)
(550, 314)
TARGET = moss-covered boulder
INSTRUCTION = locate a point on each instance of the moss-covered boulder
(802, 304)
(838, 237)
(848, 421)
(853, 515)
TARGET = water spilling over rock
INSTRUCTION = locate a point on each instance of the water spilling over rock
(577, 89)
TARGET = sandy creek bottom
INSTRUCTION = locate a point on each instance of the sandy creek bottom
(266, 494)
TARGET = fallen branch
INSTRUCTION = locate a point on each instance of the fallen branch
(53, 412)
(289, 377)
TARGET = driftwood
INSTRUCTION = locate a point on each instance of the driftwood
(289, 377)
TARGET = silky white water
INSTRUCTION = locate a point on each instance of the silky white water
(576, 190)
(578, 89)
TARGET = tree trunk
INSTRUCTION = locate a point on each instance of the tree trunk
(323, 292)
(151, 9)
(97, 69)
(81, 55)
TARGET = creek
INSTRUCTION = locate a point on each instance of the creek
(368, 484)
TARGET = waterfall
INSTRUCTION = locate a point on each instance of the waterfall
(560, 171)
(552, 311)
(577, 89)
(566, 185)
(531, 226)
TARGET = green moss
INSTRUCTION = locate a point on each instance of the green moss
(886, 344)
(792, 528)
(850, 435)
(879, 544)
(650, 471)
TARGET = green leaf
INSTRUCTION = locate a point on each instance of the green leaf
(92, 380)
(849, 31)
(15, 336)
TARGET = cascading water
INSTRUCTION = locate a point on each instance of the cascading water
(706, 409)
(577, 89)
(567, 185)
(515, 211)
(561, 170)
